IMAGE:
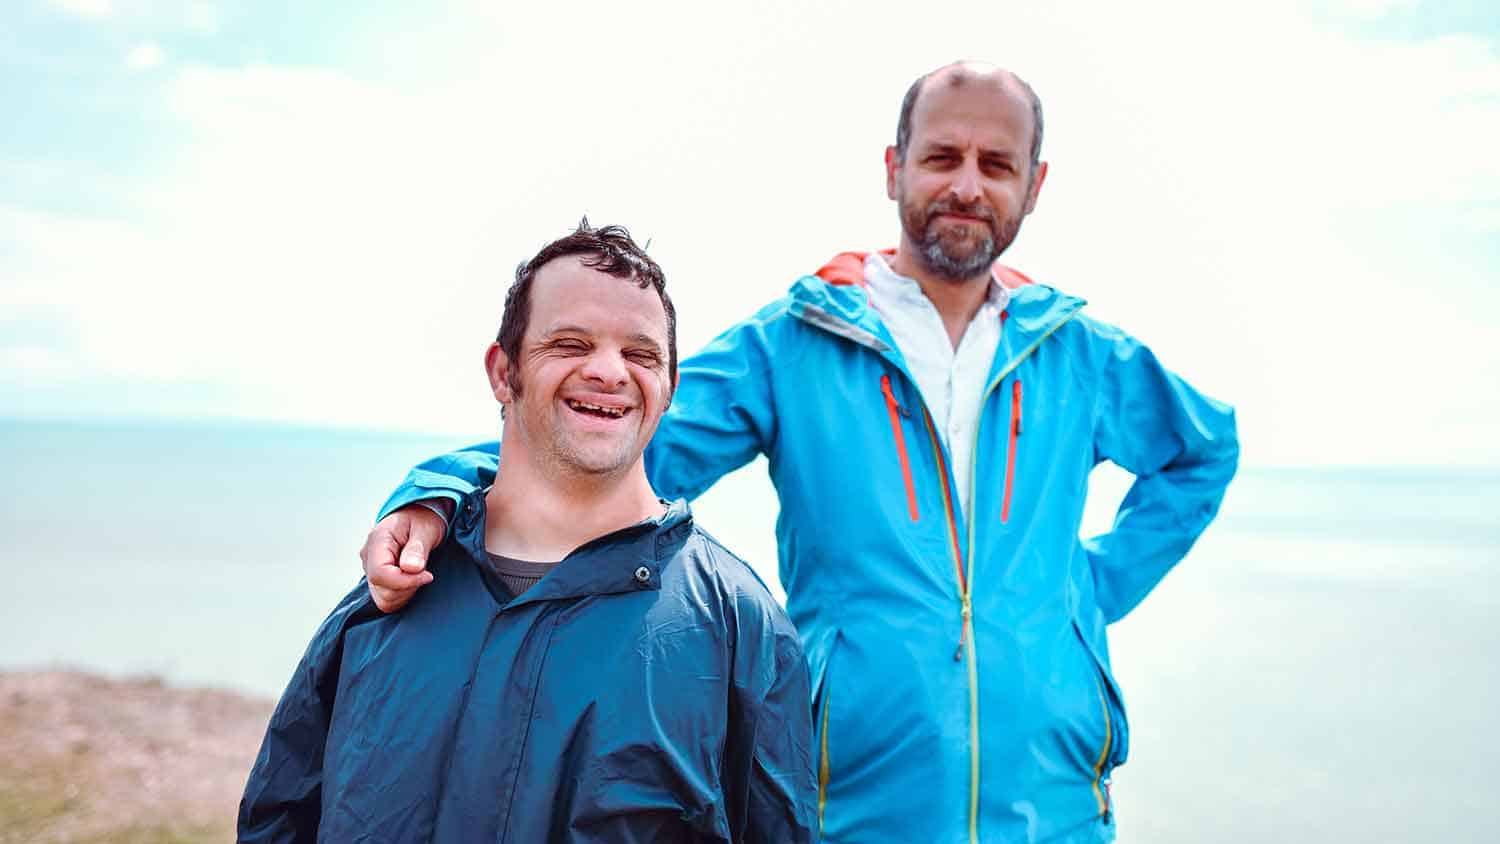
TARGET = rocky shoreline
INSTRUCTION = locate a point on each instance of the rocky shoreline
(86, 758)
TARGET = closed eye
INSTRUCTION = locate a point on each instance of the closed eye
(568, 346)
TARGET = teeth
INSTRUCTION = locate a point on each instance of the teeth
(616, 412)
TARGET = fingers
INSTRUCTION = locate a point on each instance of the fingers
(391, 594)
(390, 586)
(425, 532)
(380, 546)
(406, 536)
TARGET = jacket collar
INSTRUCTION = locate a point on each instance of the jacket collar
(1033, 313)
(848, 269)
(836, 300)
(630, 559)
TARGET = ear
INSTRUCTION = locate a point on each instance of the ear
(892, 164)
(497, 366)
(1036, 186)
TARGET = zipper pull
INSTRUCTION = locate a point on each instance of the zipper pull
(890, 397)
(963, 631)
(1015, 405)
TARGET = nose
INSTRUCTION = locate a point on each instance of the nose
(606, 368)
(965, 185)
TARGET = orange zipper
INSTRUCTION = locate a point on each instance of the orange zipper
(1010, 455)
(896, 414)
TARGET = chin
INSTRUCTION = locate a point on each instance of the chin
(600, 463)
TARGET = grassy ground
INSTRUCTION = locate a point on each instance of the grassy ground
(88, 760)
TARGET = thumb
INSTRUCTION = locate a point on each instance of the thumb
(414, 556)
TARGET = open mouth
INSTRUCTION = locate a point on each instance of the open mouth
(596, 410)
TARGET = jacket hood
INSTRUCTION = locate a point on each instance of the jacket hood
(837, 299)
(848, 268)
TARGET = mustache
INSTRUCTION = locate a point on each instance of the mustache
(978, 210)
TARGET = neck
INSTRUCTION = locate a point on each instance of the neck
(956, 301)
(539, 513)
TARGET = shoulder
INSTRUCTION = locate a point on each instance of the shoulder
(1107, 347)
(728, 567)
(357, 608)
(1061, 319)
(746, 600)
(1102, 331)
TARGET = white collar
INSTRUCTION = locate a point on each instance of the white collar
(878, 273)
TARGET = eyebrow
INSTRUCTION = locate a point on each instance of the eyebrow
(992, 152)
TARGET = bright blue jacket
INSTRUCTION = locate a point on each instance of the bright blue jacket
(647, 689)
(961, 679)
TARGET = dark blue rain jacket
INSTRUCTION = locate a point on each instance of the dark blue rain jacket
(647, 689)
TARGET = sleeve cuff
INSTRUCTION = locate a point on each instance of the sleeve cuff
(441, 506)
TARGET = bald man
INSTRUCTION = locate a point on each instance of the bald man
(930, 418)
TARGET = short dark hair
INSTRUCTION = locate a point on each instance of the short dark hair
(909, 104)
(609, 250)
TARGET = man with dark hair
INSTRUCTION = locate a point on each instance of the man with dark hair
(587, 665)
(930, 419)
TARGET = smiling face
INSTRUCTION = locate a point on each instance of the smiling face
(966, 179)
(591, 379)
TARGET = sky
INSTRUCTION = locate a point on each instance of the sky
(310, 212)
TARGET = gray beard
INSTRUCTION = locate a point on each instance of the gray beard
(956, 269)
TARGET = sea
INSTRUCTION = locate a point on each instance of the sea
(1323, 667)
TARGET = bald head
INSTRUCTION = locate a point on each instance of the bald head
(959, 74)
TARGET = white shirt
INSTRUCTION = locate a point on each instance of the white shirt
(951, 381)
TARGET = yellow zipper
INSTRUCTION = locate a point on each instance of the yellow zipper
(823, 758)
(1103, 754)
(966, 631)
(968, 605)
(973, 717)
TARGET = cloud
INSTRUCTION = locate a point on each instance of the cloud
(1370, 9)
(1278, 223)
(91, 9)
(203, 18)
(144, 56)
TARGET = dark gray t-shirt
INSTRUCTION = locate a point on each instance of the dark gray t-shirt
(517, 575)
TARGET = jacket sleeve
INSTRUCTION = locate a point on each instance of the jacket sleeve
(1183, 450)
(721, 415)
(283, 797)
(451, 476)
(770, 789)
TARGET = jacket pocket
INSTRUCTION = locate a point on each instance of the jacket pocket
(897, 412)
(1115, 730)
(1010, 452)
